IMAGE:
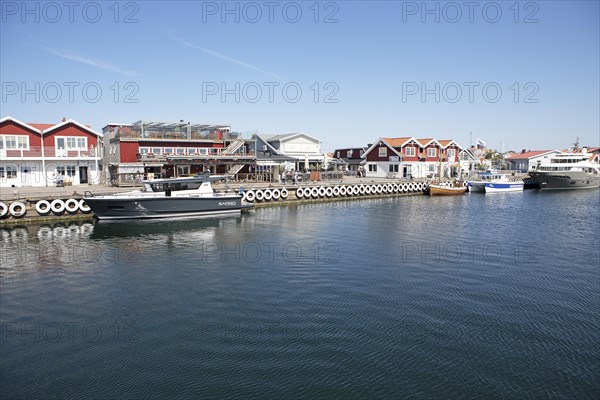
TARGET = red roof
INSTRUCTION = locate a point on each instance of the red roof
(528, 154)
(41, 127)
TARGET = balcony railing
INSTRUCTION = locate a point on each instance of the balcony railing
(36, 151)
(209, 136)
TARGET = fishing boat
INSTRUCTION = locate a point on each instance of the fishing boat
(495, 182)
(162, 198)
(448, 188)
(455, 188)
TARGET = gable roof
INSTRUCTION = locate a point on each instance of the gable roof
(45, 128)
(384, 141)
(23, 124)
(288, 136)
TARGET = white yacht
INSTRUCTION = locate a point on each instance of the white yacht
(567, 171)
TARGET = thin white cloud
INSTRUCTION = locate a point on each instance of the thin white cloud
(88, 61)
(227, 58)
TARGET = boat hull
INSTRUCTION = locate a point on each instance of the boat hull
(475, 186)
(162, 207)
(566, 180)
(497, 187)
(438, 190)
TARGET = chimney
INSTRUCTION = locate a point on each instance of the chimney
(63, 120)
(523, 151)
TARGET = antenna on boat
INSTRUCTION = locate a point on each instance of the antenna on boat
(576, 144)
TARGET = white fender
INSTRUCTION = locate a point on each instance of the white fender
(322, 191)
(342, 190)
(314, 192)
(260, 195)
(328, 191)
(3, 210)
(284, 193)
(72, 206)
(57, 206)
(336, 191)
(83, 207)
(300, 193)
(17, 209)
(250, 196)
(361, 190)
(268, 194)
(43, 207)
(276, 194)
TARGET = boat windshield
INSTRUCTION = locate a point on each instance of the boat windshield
(173, 186)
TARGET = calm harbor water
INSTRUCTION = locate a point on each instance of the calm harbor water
(476, 296)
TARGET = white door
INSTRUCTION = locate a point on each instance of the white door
(27, 175)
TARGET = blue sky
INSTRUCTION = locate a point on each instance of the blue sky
(518, 75)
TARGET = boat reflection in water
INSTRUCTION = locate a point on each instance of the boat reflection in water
(144, 228)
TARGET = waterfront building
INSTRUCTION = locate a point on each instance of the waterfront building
(408, 157)
(33, 154)
(303, 150)
(525, 160)
(349, 159)
(152, 149)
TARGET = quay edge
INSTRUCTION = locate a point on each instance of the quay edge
(32, 216)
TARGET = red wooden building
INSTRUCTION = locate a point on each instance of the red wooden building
(33, 154)
(409, 157)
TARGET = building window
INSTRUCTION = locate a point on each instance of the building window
(409, 151)
(451, 154)
(393, 168)
(383, 152)
(372, 167)
(60, 171)
(70, 170)
(350, 153)
(191, 151)
(431, 152)
(180, 151)
(70, 142)
(156, 150)
(168, 150)
(339, 154)
(13, 142)
(144, 150)
(183, 170)
(431, 167)
(11, 172)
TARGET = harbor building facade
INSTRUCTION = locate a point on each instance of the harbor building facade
(525, 160)
(408, 157)
(33, 154)
(349, 159)
(154, 149)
